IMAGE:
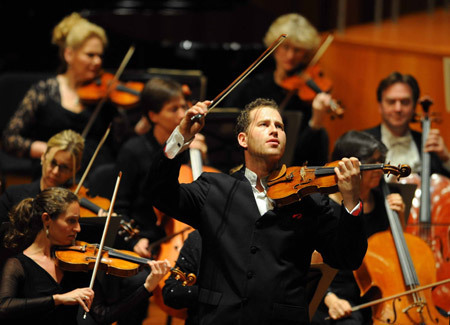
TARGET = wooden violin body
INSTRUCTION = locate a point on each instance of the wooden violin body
(123, 94)
(288, 185)
(82, 257)
(307, 84)
(90, 205)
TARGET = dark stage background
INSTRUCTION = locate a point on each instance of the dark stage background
(219, 37)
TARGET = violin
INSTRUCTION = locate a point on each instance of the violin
(123, 94)
(90, 204)
(311, 81)
(288, 185)
(308, 84)
(82, 256)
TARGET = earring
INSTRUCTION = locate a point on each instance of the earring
(46, 232)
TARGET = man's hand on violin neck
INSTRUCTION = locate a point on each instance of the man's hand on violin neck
(349, 179)
(189, 127)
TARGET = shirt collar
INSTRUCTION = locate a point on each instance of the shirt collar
(390, 139)
(253, 178)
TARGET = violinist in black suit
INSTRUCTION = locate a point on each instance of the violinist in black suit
(255, 255)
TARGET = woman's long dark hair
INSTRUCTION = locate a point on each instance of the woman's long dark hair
(26, 216)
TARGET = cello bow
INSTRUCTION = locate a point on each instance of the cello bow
(381, 300)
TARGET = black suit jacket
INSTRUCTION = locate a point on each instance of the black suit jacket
(435, 163)
(253, 268)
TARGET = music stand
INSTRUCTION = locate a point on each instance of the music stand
(292, 121)
(223, 149)
(320, 276)
(92, 229)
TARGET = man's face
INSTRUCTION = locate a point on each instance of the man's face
(170, 115)
(265, 137)
(397, 107)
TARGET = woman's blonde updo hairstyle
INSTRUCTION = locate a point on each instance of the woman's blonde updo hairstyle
(70, 141)
(74, 30)
(299, 31)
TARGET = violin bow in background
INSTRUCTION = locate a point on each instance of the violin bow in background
(100, 144)
(105, 231)
(100, 104)
(244, 74)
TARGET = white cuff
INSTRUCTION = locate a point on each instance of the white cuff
(175, 144)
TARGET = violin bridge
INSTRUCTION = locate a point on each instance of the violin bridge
(302, 173)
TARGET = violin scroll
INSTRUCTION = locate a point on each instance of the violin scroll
(128, 230)
(188, 280)
(400, 171)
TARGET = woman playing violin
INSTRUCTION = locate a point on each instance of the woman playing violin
(53, 105)
(344, 293)
(290, 58)
(33, 288)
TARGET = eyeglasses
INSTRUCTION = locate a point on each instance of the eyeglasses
(64, 169)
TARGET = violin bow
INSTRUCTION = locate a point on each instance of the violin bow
(100, 144)
(379, 301)
(244, 74)
(100, 104)
(321, 50)
(105, 231)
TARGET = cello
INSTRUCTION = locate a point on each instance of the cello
(397, 262)
(429, 218)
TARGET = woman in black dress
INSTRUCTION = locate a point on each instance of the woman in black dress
(34, 289)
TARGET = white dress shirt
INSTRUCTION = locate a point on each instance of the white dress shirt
(401, 150)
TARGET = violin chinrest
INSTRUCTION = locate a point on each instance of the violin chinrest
(276, 175)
